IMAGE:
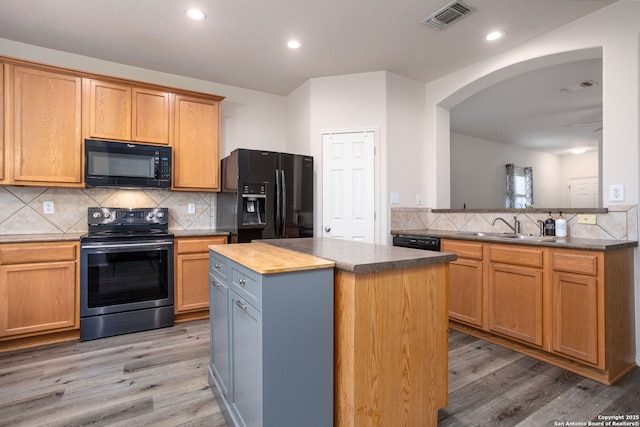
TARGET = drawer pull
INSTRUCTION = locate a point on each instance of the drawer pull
(241, 282)
(241, 305)
(216, 284)
(217, 267)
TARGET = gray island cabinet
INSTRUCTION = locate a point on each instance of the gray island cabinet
(271, 314)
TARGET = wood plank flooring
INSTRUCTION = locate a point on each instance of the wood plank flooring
(159, 378)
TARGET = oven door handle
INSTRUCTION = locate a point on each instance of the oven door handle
(127, 245)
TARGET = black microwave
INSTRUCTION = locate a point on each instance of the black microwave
(123, 164)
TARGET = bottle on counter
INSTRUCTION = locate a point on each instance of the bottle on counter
(561, 226)
(550, 226)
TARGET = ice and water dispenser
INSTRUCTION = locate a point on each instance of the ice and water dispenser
(254, 199)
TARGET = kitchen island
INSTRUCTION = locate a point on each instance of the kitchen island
(390, 331)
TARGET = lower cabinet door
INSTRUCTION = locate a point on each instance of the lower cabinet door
(246, 364)
(515, 302)
(575, 316)
(218, 318)
(37, 297)
(465, 291)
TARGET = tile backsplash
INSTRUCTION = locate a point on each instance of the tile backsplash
(22, 211)
(619, 223)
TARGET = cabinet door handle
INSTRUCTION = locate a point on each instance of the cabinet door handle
(241, 282)
(217, 267)
(241, 305)
(216, 284)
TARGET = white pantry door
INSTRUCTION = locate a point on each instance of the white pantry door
(348, 186)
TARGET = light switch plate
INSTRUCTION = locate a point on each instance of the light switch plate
(48, 208)
(586, 218)
(395, 198)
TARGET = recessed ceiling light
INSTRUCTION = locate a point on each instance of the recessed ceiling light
(293, 44)
(196, 14)
(578, 151)
(494, 35)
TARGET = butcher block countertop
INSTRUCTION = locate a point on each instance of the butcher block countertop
(358, 257)
(267, 259)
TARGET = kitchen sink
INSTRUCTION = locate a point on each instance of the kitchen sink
(510, 236)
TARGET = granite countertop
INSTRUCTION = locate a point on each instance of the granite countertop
(550, 242)
(266, 259)
(358, 257)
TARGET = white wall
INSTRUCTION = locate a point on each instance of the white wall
(478, 175)
(250, 119)
(405, 150)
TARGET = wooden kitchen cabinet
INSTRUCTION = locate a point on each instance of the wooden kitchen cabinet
(575, 304)
(124, 112)
(192, 276)
(43, 143)
(466, 288)
(2, 144)
(515, 290)
(572, 308)
(196, 143)
(38, 289)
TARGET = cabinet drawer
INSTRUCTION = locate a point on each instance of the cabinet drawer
(37, 252)
(463, 249)
(516, 255)
(571, 262)
(247, 284)
(201, 245)
(218, 266)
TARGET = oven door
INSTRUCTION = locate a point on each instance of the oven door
(125, 276)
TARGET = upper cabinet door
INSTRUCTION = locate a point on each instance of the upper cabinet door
(2, 153)
(196, 156)
(109, 110)
(46, 127)
(150, 120)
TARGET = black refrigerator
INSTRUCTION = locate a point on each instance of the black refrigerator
(265, 195)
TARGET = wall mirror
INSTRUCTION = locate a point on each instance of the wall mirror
(535, 119)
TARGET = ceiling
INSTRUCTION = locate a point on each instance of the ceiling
(242, 43)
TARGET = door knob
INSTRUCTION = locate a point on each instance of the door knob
(327, 228)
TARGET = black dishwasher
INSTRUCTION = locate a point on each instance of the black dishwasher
(416, 242)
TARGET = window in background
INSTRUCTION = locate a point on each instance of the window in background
(519, 186)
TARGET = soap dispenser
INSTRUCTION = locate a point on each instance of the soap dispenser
(561, 226)
(550, 226)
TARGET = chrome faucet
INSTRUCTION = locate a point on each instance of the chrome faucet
(515, 227)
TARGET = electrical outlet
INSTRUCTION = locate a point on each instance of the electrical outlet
(395, 198)
(586, 218)
(48, 207)
(418, 199)
(191, 208)
(616, 193)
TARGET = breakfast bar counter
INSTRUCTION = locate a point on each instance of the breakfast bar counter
(390, 331)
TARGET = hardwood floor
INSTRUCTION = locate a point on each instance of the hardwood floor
(159, 378)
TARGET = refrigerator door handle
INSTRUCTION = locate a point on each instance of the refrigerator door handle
(283, 200)
(278, 220)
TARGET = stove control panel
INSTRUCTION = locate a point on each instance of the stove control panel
(127, 216)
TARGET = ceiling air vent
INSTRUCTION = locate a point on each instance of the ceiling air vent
(582, 85)
(448, 14)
